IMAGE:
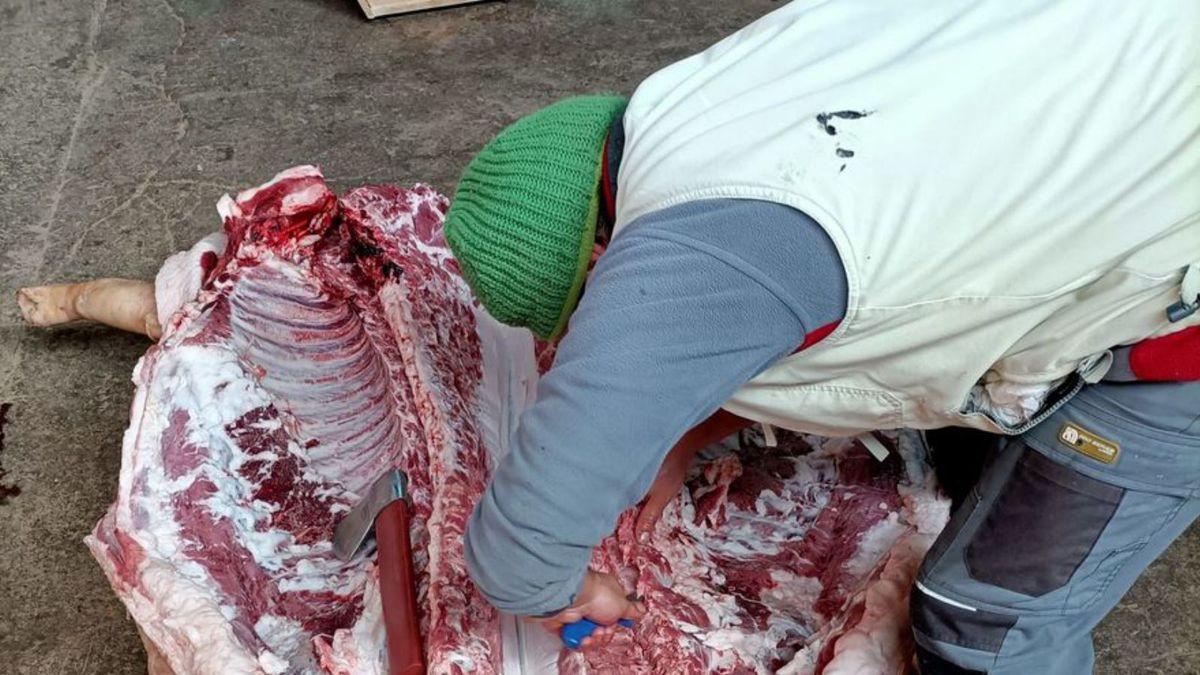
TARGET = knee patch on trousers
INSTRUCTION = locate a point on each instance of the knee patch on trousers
(1042, 526)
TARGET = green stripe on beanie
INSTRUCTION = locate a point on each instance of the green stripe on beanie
(523, 220)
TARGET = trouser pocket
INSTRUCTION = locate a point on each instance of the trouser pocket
(1041, 527)
(1056, 531)
(945, 620)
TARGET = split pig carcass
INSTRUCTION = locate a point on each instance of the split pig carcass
(320, 340)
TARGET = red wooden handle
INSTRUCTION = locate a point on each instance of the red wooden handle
(398, 587)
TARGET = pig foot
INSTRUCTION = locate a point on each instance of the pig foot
(123, 303)
(45, 306)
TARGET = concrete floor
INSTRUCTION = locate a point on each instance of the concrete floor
(122, 122)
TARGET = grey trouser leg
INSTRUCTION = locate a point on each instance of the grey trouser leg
(1062, 522)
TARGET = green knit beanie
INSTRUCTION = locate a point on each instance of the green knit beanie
(523, 221)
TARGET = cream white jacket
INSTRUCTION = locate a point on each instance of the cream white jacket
(1013, 187)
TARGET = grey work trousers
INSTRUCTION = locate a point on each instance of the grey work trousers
(1061, 523)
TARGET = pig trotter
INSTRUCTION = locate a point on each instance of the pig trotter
(122, 303)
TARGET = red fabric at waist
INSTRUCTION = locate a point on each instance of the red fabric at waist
(1170, 358)
(815, 336)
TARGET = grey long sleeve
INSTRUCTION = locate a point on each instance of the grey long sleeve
(685, 306)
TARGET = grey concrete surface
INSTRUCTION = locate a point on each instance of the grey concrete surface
(122, 121)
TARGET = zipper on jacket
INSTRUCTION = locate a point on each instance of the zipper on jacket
(1069, 389)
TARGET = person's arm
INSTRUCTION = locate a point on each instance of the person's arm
(671, 474)
(669, 327)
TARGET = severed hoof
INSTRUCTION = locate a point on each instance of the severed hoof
(48, 305)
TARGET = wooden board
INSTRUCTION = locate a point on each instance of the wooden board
(376, 8)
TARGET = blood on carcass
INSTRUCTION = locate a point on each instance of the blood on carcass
(776, 559)
(334, 338)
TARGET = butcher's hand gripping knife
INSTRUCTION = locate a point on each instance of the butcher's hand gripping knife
(573, 633)
(386, 508)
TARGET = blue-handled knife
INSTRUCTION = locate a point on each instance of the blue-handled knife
(574, 633)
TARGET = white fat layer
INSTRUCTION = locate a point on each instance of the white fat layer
(301, 171)
(785, 515)
(288, 638)
(788, 594)
(187, 619)
(876, 644)
(875, 544)
(753, 647)
(182, 619)
(790, 591)
(211, 384)
(361, 649)
(181, 277)
(509, 381)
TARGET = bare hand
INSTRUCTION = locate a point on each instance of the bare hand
(665, 488)
(602, 600)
